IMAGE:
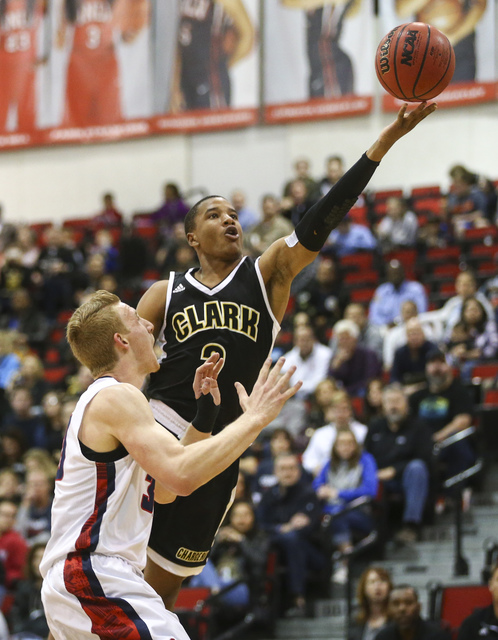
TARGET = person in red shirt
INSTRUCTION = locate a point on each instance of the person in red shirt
(13, 547)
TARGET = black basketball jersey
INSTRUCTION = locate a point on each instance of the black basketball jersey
(204, 67)
(234, 318)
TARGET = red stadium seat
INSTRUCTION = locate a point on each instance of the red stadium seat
(443, 254)
(382, 195)
(485, 370)
(358, 215)
(447, 270)
(487, 235)
(490, 398)
(194, 611)
(361, 278)
(357, 262)
(426, 192)
(452, 604)
(363, 295)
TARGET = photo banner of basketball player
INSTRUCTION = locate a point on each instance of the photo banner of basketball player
(314, 59)
(76, 71)
(470, 27)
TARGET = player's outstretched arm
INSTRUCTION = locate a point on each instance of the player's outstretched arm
(405, 122)
(121, 414)
(281, 262)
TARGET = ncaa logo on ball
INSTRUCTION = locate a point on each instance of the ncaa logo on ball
(409, 47)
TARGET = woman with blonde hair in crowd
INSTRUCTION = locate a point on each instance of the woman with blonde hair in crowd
(374, 587)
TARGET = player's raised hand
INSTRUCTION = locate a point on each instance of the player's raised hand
(206, 378)
(404, 123)
(270, 392)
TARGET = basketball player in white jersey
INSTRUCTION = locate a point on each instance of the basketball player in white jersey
(116, 460)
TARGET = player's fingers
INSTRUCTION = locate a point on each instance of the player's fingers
(276, 371)
(242, 393)
(291, 391)
(218, 367)
(263, 374)
(283, 381)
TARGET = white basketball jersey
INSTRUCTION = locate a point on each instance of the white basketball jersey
(103, 501)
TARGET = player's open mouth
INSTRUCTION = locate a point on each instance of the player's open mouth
(232, 232)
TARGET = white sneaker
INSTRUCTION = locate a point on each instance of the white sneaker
(340, 575)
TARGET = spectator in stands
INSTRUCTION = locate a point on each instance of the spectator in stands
(402, 449)
(406, 622)
(134, 259)
(324, 298)
(13, 546)
(173, 210)
(372, 593)
(312, 360)
(451, 312)
(467, 203)
(26, 318)
(371, 336)
(482, 341)
(409, 359)
(372, 402)
(104, 245)
(10, 485)
(35, 513)
(349, 474)
(280, 442)
(398, 229)
(239, 553)
(302, 171)
(27, 243)
(247, 217)
(290, 513)
(334, 167)
(340, 416)
(80, 382)
(109, 216)
(55, 427)
(28, 616)
(56, 268)
(13, 275)
(483, 622)
(39, 460)
(299, 200)
(320, 402)
(24, 418)
(396, 336)
(9, 361)
(272, 227)
(349, 237)
(445, 407)
(437, 230)
(352, 364)
(12, 448)
(385, 308)
(31, 375)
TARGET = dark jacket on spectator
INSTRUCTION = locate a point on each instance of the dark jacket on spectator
(412, 441)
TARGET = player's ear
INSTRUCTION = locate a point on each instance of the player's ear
(192, 239)
(120, 340)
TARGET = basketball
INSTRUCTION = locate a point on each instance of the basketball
(415, 62)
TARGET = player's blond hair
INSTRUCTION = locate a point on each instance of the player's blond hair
(90, 332)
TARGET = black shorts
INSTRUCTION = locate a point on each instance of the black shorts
(183, 531)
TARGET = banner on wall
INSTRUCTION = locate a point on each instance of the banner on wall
(470, 27)
(314, 59)
(92, 70)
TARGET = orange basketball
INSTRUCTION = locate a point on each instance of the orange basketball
(442, 14)
(415, 62)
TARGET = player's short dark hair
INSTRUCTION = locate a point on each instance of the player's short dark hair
(189, 221)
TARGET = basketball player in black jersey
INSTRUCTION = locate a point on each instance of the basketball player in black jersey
(212, 36)
(233, 305)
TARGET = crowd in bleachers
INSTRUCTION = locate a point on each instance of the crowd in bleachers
(387, 329)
